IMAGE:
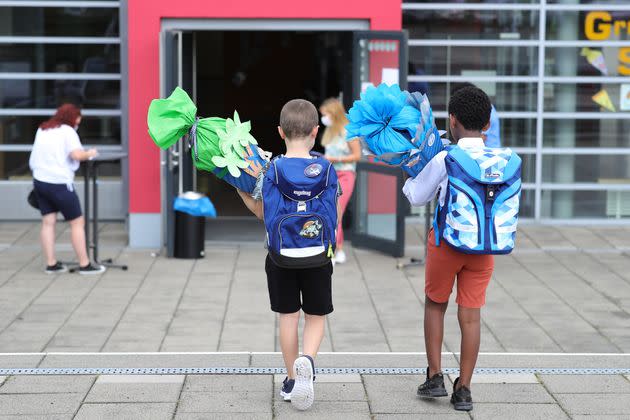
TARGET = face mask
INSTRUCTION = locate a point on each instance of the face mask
(326, 120)
(76, 128)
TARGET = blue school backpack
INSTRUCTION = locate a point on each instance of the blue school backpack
(480, 211)
(300, 210)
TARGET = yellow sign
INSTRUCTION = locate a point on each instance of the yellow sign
(602, 99)
(601, 26)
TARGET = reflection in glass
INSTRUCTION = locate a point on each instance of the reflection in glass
(504, 96)
(107, 171)
(586, 61)
(14, 166)
(596, 25)
(503, 61)
(528, 168)
(591, 1)
(377, 206)
(602, 169)
(586, 204)
(60, 58)
(471, 24)
(476, 1)
(526, 206)
(379, 62)
(518, 132)
(59, 21)
(52, 93)
(588, 97)
(590, 133)
(93, 130)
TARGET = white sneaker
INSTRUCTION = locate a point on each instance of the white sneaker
(303, 395)
(340, 257)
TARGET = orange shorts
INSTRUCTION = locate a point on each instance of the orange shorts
(443, 264)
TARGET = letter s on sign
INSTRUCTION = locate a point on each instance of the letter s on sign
(597, 26)
(624, 61)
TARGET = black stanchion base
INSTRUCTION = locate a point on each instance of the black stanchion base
(413, 262)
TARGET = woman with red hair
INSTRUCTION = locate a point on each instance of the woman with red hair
(55, 157)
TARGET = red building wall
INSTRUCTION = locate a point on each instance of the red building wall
(144, 84)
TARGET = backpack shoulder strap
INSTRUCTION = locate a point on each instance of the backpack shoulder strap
(272, 171)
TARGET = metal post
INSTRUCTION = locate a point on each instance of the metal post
(95, 212)
(563, 167)
(86, 200)
(540, 103)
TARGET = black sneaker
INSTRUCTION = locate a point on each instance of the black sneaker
(461, 398)
(433, 387)
(92, 269)
(56, 268)
(287, 387)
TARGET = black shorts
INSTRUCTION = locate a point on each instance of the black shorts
(293, 288)
(53, 198)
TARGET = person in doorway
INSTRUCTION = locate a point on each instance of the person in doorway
(469, 115)
(55, 157)
(300, 243)
(492, 135)
(343, 154)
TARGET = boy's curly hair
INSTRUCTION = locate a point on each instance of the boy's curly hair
(471, 106)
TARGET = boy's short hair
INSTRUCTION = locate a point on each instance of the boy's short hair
(471, 106)
(298, 118)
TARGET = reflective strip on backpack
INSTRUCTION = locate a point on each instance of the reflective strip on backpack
(450, 220)
(302, 252)
(506, 229)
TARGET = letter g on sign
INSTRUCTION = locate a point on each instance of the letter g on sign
(597, 26)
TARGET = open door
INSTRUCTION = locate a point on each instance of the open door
(177, 167)
(379, 205)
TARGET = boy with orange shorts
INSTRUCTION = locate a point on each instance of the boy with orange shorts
(469, 114)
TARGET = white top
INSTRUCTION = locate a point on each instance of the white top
(50, 158)
(339, 148)
(421, 189)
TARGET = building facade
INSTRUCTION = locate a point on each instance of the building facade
(558, 73)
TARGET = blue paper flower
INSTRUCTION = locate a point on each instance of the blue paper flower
(396, 127)
(385, 121)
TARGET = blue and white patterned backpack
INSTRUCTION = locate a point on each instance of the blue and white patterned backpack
(300, 211)
(480, 211)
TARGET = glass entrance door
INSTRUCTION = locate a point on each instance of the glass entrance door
(177, 167)
(379, 206)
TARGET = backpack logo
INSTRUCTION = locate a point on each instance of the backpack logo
(313, 170)
(302, 193)
(311, 229)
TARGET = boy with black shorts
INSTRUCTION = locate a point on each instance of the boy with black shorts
(291, 286)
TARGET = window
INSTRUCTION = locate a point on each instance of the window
(52, 54)
(570, 112)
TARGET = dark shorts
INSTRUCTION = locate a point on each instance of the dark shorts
(53, 198)
(307, 288)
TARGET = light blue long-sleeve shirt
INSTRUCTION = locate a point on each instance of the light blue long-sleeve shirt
(493, 135)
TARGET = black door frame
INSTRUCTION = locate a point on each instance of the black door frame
(396, 247)
(361, 239)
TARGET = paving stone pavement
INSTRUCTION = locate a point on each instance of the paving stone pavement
(564, 290)
(348, 395)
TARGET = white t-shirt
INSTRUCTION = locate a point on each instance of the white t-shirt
(50, 158)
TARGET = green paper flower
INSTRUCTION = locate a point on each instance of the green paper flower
(236, 136)
(232, 162)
